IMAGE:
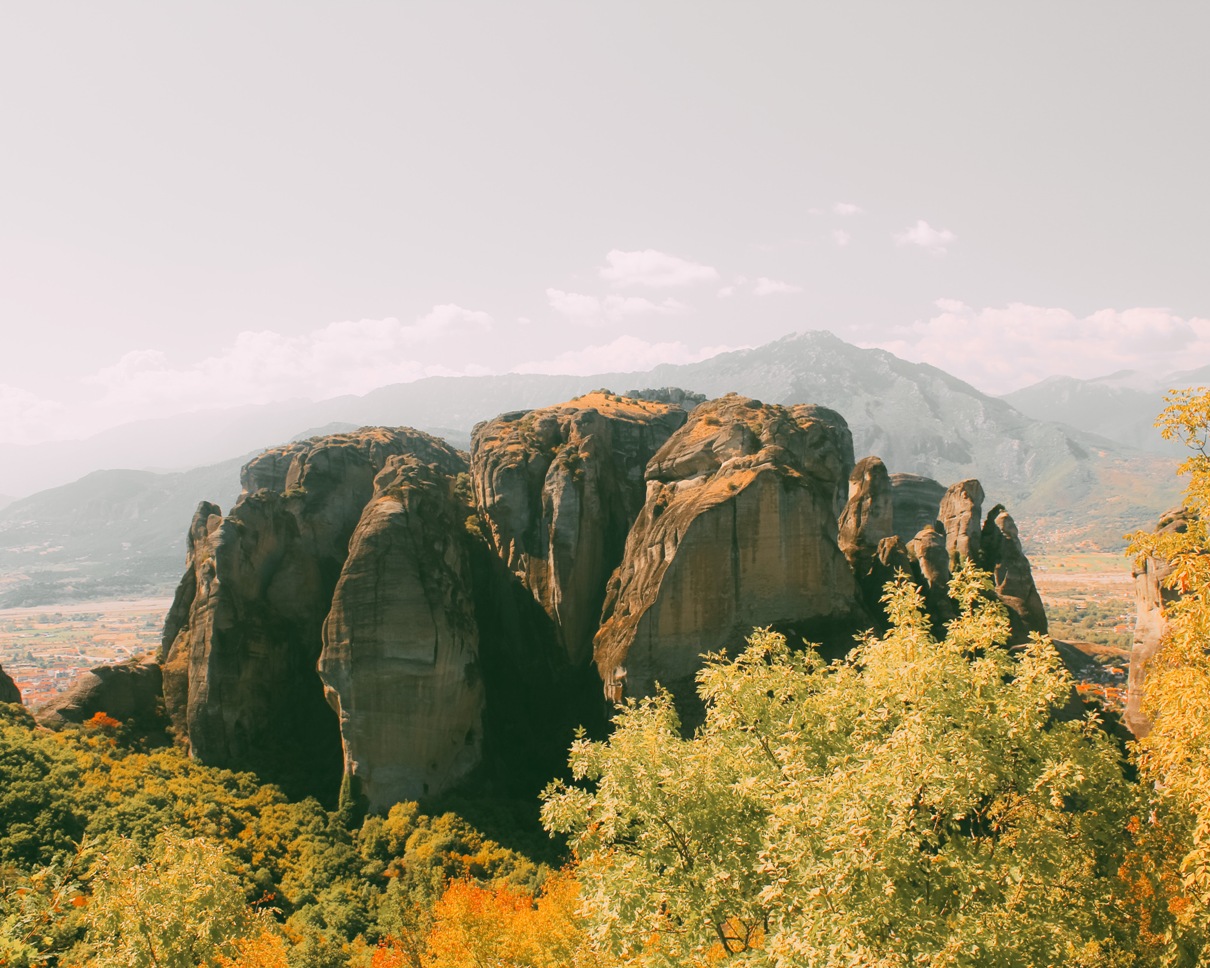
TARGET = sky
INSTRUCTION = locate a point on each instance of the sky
(221, 203)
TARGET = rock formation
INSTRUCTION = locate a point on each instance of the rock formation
(400, 643)
(240, 657)
(1002, 556)
(931, 565)
(869, 515)
(558, 489)
(866, 536)
(738, 529)
(961, 515)
(128, 691)
(1151, 599)
(917, 501)
(8, 689)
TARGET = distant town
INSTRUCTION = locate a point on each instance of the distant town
(46, 649)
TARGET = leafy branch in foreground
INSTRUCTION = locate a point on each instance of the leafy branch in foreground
(919, 802)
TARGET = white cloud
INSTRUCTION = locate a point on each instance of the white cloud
(350, 356)
(767, 287)
(1003, 349)
(924, 235)
(624, 354)
(847, 208)
(656, 270)
(594, 309)
(841, 237)
(726, 292)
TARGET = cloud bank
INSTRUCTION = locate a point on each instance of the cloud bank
(1003, 349)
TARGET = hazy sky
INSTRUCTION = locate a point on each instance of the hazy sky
(210, 204)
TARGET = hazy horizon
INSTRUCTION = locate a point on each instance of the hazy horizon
(242, 204)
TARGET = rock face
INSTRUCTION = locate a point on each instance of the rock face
(558, 489)
(738, 528)
(916, 501)
(1151, 598)
(245, 631)
(128, 691)
(866, 536)
(931, 565)
(1002, 556)
(8, 689)
(961, 515)
(400, 643)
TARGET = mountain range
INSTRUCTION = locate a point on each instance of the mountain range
(1082, 482)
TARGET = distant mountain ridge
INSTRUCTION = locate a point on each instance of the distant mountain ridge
(1068, 485)
(1122, 406)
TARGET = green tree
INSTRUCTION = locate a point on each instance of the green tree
(1175, 755)
(917, 803)
(180, 908)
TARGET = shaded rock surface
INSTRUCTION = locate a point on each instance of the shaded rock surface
(240, 657)
(1151, 599)
(866, 534)
(8, 689)
(128, 691)
(738, 529)
(558, 489)
(400, 643)
(1002, 556)
(931, 566)
(916, 501)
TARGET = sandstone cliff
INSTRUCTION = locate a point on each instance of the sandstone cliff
(128, 691)
(738, 529)
(1151, 598)
(400, 643)
(558, 489)
(245, 632)
(8, 689)
(866, 534)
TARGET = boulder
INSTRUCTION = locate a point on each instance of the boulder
(916, 502)
(8, 689)
(558, 489)
(400, 643)
(738, 530)
(961, 516)
(127, 691)
(1002, 556)
(1151, 600)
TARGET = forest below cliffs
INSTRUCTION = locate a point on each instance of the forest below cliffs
(936, 796)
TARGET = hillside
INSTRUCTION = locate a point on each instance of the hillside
(111, 534)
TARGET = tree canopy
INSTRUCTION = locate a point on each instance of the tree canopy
(920, 802)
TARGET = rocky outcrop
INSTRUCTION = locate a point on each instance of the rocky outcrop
(240, 666)
(738, 529)
(916, 502)
(128, 691)
(400, 643)
(8, 689)
(1151, 600)
(869, 515)
(558, 489)
(866, 537)
(931, 566)
(1002, 556)
(675, 396)
(961, 516)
